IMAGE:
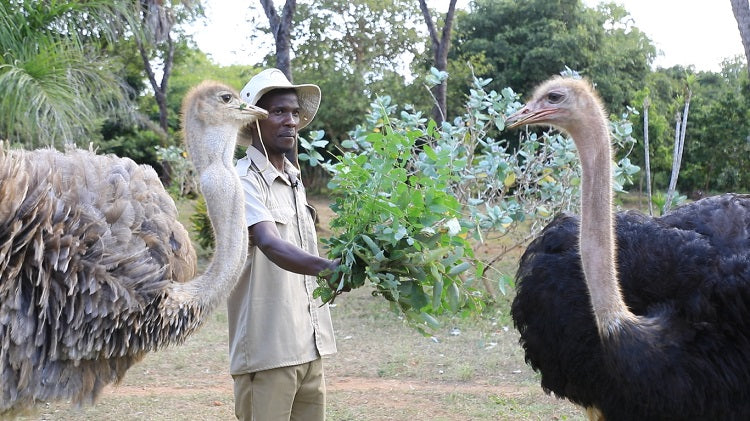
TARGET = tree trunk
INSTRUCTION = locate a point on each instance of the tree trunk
(646, 153)
(160, 89)
(741, 9)
(440, 48)
(679, 144)
(281, 28)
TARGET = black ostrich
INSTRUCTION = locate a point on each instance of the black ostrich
(632, 317)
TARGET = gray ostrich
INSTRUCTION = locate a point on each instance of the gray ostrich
(95, 269)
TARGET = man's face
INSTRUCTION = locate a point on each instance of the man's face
(279, 130)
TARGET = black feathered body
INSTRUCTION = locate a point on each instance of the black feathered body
(686, 276)
(88, 247)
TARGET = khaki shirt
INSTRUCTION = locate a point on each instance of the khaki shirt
(273, 319)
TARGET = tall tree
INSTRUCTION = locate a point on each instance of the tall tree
(527, 41)
(281, 29)
(717, 149)
(440, 47)
(741, 9)
(356, 51)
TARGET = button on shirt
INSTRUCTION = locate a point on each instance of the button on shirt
(273, 319)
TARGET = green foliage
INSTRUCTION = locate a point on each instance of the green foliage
(133, 143)
(353, 51)
(524, 42)
(55, 85)
(717, 127)
(311, 155)
(183, 181)
(659, 200)
(717, 143)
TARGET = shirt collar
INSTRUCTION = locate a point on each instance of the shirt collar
(267, 170)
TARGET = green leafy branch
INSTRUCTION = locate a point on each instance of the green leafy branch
(398, 229)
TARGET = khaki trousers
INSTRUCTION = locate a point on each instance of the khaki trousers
(295, 393)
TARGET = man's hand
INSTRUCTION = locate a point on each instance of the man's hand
(333, 277)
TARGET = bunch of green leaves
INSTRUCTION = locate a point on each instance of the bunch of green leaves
(398, 229)
(506, 183)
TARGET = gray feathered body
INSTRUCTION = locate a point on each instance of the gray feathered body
(89, 246)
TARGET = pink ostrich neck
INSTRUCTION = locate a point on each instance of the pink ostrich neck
(597, 236)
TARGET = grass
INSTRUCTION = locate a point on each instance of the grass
(469, 369)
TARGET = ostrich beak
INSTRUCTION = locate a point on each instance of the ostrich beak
(531, 113)
(253, 110)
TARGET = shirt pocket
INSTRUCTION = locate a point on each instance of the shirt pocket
(282, 216)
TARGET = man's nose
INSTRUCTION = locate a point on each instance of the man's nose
(291, 119)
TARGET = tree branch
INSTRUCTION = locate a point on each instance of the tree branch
(430, 24)
(273, 18)
(741, 10)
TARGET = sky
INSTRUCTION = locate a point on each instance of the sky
(700, 33)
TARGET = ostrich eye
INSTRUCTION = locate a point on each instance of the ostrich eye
(554, 97)
(226, 98)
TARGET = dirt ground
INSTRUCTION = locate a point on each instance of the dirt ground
(469, 369)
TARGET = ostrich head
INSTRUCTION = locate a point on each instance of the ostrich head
(568, 104)
(215, 104)
(212, 114)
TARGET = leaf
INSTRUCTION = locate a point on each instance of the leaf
(542, 211)
(431, 321)
(453, 297)
(459, 268)
(319, 143)
(435, 272)
(437, 293)
(510, 180)
(371, 244)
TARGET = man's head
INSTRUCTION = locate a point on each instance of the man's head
(270, 81)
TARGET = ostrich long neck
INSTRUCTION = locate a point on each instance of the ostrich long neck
(597, 236)
(223, 192)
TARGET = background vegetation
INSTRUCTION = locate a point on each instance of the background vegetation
(77, 66)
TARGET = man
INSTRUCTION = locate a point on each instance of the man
(277, 331)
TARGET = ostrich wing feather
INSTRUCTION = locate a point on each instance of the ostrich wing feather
(82, 261)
